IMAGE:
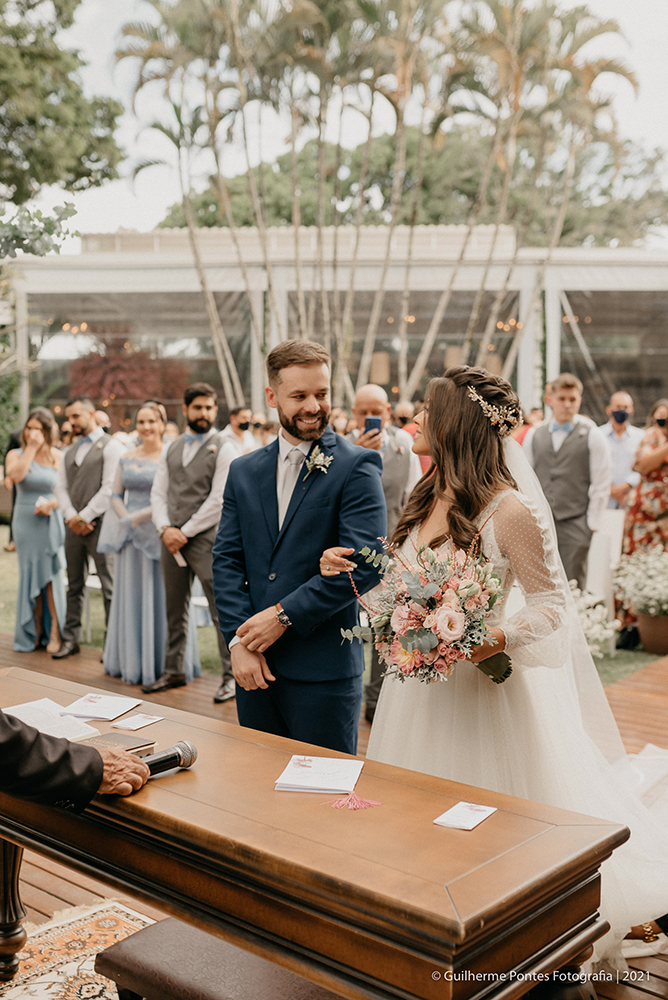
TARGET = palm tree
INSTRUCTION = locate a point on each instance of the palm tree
(182, 137)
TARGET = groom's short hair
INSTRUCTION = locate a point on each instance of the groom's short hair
(295, 352)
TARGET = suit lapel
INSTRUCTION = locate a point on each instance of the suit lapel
(305, 481)
(267, 483)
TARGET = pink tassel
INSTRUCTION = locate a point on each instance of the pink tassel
(352, 801)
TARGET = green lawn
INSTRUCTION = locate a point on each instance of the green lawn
(610, 669)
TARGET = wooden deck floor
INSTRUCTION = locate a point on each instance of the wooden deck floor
(639, 703)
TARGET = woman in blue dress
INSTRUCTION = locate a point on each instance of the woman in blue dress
(137, 632)
(39, 534)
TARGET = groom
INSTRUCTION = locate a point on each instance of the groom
(283, 506)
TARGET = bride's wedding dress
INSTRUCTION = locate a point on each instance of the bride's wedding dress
(547, 733)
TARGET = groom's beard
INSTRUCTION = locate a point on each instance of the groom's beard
(304, 433)
(200, 426)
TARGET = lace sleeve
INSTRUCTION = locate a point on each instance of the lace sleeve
(534, 564)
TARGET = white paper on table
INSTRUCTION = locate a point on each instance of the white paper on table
(103, 707)
(319, 774)
(45, 716)
(134, 722)
(464, 816)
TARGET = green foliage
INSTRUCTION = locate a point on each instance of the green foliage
(9, 396)
(50, 133)
(34, 232)
(611, 201)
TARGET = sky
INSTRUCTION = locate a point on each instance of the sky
(142, 203)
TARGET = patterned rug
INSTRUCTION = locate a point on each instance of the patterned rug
(58, 960)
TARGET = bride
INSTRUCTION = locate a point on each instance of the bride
(547, 733)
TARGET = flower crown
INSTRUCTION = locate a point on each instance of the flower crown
(505, 418)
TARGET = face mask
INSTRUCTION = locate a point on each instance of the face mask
(661, 421)
(244, 426)
(403, 421)
(620, 416)
(257, 424)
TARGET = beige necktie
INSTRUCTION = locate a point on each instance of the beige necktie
(294, 461)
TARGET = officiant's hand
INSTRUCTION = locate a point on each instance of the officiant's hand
(479, 653)
(250, 670)
(260, 631)
(123, 772)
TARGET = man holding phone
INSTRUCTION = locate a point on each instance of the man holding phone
(401, 472)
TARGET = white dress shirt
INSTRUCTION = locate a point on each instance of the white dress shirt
(241, 445)
(600, 465)
(209, 513)
(98, 504)
(623, 454)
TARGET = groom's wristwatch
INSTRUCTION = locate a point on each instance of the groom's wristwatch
(281, 616)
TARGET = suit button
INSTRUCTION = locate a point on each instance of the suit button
(272, 576)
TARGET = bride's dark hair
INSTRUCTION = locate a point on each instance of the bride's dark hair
(468, 466)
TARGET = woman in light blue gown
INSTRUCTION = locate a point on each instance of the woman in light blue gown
(39, 534)
(137, 632)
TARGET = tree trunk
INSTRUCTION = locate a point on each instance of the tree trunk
(405, 299)
(229, 376)
(428, 343)
(397, 187)
(500, 219)
(322, 181)
(511, 358)
(297, 221)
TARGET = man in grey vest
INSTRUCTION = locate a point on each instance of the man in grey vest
(83, 490)
(401, 471)
(186, 499)
(571, 458)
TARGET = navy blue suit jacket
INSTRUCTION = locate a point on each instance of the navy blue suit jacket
(255, 565)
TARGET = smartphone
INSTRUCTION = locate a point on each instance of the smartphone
(372, 424)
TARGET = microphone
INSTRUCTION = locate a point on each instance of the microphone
(182, 754)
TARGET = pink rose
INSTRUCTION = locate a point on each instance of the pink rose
(450, 598)
(442, 667)
(400, 619)
(442, 648)
(471, 603)
(430, 656)
(418, 611)
(454, 583)
(405, 660)
(449, 624)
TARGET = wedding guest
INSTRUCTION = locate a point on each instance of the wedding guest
(39, 532)
(401, 472)
(65, 434)
(404, 416)
(623, 441)
(9, 484)
(103, 420)
(282, 620)
(571, 458)
(238, 434)
(186, 501)
(338, 419)
(258, 421)
(646, 523)
(171, 431)
(137, 636)
(83, 489)
(270, 431)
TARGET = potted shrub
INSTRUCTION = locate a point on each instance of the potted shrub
(642, 586)
(593, 616)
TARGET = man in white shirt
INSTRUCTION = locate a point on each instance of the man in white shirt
(571, 458)
(83, 490)
(401, 471)
(238, 436)
(186, 501)
(623, 441)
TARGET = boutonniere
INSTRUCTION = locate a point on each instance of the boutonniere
(400, 449)
(317, 462)
(213, 448)
(98, 445)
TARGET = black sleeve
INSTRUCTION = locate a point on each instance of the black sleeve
(44, 769)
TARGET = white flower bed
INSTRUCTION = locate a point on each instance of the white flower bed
(641, 582)
(594, 620)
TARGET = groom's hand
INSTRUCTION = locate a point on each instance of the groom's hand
(250, 670)
(260, 631)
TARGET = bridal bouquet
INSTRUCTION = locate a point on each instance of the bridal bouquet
(423, 621)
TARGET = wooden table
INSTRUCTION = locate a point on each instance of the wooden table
(371, 904)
